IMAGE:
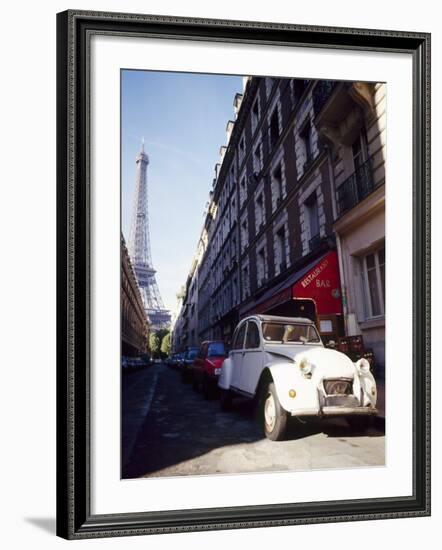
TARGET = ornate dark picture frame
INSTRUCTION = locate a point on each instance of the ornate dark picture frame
(74, 518)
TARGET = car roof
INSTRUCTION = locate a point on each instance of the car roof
(276, 318)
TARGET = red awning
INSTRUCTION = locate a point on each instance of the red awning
(318, 281)
(322, 284)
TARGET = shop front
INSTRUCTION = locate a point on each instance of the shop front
(313, 292)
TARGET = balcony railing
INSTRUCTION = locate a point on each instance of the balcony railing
(355, 188)
(321, 93)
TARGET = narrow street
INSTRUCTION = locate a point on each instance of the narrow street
(168, 429)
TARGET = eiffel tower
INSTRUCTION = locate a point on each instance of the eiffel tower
(139, 250)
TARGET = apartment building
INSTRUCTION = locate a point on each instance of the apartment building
(281, 227)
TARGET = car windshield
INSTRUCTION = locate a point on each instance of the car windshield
(192, 354)
(216, 349)
(289, 332)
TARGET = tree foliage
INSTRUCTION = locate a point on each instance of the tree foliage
(154, 343)
(165, 343)
(159, 343)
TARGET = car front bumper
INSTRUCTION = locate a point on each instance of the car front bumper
(336, 411)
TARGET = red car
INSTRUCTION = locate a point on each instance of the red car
(207, 367)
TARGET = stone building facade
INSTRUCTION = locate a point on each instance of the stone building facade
(273, 239)
(134, 326)
(353, 116)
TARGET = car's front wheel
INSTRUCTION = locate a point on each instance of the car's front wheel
(274, 416)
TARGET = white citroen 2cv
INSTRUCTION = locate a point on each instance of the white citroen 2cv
(282, 363)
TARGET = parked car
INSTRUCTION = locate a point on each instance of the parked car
(133, 363)
(282, 363)
(207, 367)
(187, 362)
(175, 360)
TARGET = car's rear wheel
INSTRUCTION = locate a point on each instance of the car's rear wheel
(225, 400)
(274, 417)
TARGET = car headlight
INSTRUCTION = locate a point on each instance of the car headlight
(217, 372)
(305, 366)
(363, 365)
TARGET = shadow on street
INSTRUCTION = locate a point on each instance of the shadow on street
(180, 425)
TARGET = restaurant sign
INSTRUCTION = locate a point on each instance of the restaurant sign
(322, 284)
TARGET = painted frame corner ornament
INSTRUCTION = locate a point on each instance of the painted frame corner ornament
(74, 31)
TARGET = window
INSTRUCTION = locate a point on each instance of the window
(306, 142)
(242, 149)
(290, 332)
(252, 338)
(256, 112)
(361, 167)
(274, 130)
(359, 151)
(261, 266)
(277, 186)
(216, 349)
(311, 206)
(234, 291)
(259, 211)
(269, 85)
(280, 251)
(257, 159)
(238, 341)
(244, 235)
(373, 275)
(245, 282)
(233, 210)
(242, 190)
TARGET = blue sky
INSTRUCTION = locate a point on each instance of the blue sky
(182, 118)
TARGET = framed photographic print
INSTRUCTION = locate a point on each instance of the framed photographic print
(243, 274)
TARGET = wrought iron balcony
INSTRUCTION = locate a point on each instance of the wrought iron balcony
(355, 188)
(321, 93)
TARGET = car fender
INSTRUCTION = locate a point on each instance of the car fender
(368, 386)
(294, 391)
(225, 377)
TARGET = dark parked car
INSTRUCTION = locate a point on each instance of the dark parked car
(134, 363)
(186, 363)
(174, 360)
(207, 367)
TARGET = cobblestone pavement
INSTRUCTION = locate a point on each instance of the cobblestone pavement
(168, 429)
